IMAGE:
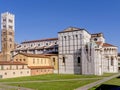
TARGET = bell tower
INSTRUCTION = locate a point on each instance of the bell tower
(7, 35)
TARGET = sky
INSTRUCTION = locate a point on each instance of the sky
(38, 19)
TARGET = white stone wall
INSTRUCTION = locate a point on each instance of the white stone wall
(70, 46)
(110, 53)
(38, 44)
(37, 47)
(7, 16)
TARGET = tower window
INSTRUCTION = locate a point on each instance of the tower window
(4, 20)
(4, 39)
(4, 26)
(10, 20)
(10, 40)
(4, 33)
(10, 33)
(10, 45)
(10, 27)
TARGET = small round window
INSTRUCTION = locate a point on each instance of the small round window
(95, 39)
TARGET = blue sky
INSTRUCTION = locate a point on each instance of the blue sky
(37, 19)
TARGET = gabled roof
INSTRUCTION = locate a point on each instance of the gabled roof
(41, 40)
(99, 43)
(11, 63)
(108, 45)
(104, 44)
(71, 29)
(33, 55)
(50, 54)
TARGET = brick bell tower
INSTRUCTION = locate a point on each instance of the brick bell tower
(7, 35)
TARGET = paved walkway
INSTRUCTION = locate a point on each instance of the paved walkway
(86, 87)
(8, 87)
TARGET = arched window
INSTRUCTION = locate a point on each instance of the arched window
(10, 45)
(86, 46)
(78, 59)
(10, 39)
(53, 61)
(63, 59)
(111, 61)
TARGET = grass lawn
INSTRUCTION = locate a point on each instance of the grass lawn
(112, 82)
(52, 77)
(58, 85)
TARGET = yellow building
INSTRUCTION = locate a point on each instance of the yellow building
(54, 61)
(39, 64)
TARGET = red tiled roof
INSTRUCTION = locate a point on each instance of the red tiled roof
(104, 44)
(11, 63)
(50, 54)
(48, 39)
(40, 67)
(34, 55)
(108, 45)
(99, 43)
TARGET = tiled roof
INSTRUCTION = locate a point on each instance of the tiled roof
(70, 29)
(108, 45)
(50, 54)
(99, 43)
(11, 63)
(34, 55)
(104, 44)
(48, 39)
(40, 67)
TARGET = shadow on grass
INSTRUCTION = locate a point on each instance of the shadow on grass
(108, 87)
(118, 77)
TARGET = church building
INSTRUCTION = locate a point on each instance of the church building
(83, 53)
